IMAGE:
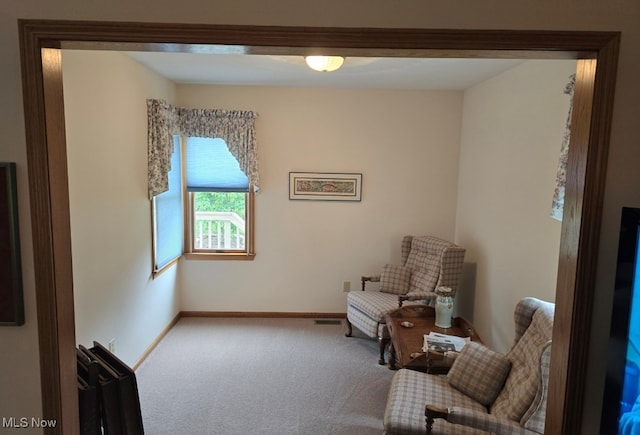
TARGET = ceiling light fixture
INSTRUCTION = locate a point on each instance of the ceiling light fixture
(324, 63)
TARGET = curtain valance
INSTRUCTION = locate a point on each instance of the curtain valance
(235, 127)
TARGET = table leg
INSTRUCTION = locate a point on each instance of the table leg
(392, 357)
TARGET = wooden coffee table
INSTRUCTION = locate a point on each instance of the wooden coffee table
(406, 351)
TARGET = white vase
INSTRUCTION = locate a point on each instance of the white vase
(444, 307)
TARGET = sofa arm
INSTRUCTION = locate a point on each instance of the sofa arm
(372, 278)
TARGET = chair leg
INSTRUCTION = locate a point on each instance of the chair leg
(383, 345)
(349, 328)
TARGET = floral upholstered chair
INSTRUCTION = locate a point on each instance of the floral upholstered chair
(427, 262)
(484, 392)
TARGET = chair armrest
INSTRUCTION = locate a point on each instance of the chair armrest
(416, 296)
(439, 363)
(372, 278)
(432, 412)
(437, 355)
(475, 419)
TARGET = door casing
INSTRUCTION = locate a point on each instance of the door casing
(40, 44)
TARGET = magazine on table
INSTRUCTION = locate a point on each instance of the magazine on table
(444, 342)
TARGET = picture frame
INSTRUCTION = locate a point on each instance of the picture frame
(11, 293)
(325, 186)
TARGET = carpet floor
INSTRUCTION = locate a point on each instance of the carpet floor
(242, 376)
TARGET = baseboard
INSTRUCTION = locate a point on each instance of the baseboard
(155, 342)
(259, 314)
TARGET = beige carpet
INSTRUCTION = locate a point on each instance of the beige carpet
(262, 376)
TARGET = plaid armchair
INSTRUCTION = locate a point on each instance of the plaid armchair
(427, 263)
(484, 392)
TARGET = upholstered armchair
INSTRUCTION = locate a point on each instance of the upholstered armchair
(484, 392)
(427, 263)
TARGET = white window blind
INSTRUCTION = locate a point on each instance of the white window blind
(210, 167)
(168, 216)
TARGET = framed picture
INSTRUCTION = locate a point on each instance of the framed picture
(325, 186)
(11, 301)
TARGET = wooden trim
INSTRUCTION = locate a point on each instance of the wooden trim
(212, 256)
(248, 253)
(152, 212)
(406, 42)
(562, 352)
(268, 315)
(155, 342)
(56, 157)
(250, 242)
(580, 234)
(46, 154)
(157, 272)
(35, 130)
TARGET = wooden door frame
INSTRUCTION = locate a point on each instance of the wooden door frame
(40, 44)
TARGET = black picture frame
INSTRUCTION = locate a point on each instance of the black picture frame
(11, 295)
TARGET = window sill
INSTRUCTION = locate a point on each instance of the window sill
(240, 256)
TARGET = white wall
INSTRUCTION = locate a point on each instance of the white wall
(513, 125)
(406, 145)
(19, 374)
(106, 120)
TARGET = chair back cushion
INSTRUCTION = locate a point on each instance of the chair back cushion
(425, 258)
(524, 380)
(395, 279)
(434, 262)
(479, 372)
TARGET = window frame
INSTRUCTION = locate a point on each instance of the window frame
(155, 269)
(219, 254)
(189, 215)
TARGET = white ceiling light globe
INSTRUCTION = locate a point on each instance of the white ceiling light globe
(324, 63)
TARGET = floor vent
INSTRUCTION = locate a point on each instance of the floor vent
(327, 321)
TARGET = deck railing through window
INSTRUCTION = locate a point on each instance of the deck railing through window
(218, 230)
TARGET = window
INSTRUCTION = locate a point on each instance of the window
(167, 216)
(211, 157)
(219, 202)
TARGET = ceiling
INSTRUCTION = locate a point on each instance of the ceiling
(357, 72)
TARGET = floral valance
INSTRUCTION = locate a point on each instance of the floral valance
(235, 127)
(557, 205)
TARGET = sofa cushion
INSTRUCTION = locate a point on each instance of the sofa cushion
(395, 279)
(479, 373)
(524, 379)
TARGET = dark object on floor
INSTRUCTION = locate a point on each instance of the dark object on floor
(107, 394)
